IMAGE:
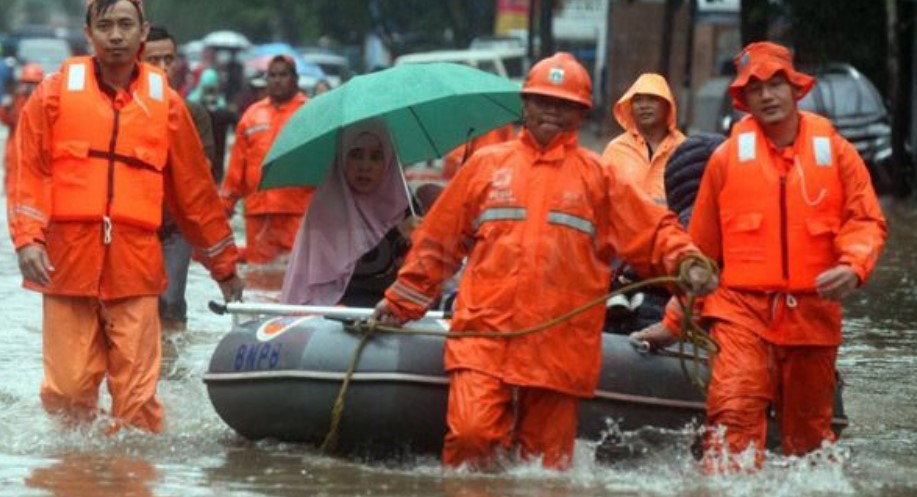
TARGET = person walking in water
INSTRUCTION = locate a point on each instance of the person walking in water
(86, 207)
(538, 218)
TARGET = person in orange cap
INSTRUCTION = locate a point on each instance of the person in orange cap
(787, 207)
(648, 114)
(538, 218)
(86, 205)
(272, 217)
(31, 75)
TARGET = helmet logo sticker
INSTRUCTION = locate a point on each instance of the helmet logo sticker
(556, 75)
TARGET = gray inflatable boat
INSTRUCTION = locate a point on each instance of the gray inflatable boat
(278, 378)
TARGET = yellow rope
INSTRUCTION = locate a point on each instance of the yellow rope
(691, 332)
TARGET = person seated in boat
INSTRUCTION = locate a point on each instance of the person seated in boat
(357, 231)
(538, 218)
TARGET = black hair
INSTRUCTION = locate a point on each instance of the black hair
(286, 59)
(158, 33)
(99, 7)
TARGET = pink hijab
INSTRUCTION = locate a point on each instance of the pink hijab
(342, 225)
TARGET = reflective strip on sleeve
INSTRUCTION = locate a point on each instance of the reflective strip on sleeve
(571, 221)
(29, 211)
(500, 214)
(409, 293)
(218, 247)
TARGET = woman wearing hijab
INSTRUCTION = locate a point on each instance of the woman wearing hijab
(355, 233)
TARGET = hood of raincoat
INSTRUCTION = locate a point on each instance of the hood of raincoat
(649, 84)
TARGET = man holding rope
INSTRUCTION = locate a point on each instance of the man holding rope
(539, 219)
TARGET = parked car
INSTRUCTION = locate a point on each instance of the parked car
(507, 62)
(336, 67)
(852, 103)
(49, 53)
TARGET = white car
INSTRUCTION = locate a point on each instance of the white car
(507, 62)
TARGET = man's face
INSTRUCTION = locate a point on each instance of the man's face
(772, 101)
(546, 117)
(281, 82)
(161, 53)
(649, 111)
(116, 34)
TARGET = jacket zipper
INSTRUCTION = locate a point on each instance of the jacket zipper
(106, 221)
(784, 243)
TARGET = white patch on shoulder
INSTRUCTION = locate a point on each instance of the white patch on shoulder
(76, 77)
(157, 88)
(822, 148)
(746, 147)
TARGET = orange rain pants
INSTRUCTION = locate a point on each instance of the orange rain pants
(486, 414)
(268, 236)
(83, 338)
(749, 374)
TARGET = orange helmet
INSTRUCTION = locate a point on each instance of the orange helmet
(32, 73)
(560, 76)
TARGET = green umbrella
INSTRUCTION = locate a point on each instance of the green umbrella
(429, 109)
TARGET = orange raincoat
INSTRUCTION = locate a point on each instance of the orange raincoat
(10, 117)
(628, 152)
(778, 338)
(101, 305)
(272, 216)
(454, 159)
(539, 227)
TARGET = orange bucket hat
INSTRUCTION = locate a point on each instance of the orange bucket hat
(762, 60)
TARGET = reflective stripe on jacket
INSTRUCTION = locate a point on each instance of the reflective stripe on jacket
(539, 227)
(105, 160)
(779, 224)
(256, 132)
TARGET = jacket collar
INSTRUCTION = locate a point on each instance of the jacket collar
(557, 150)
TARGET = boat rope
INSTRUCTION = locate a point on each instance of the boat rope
(691, 333)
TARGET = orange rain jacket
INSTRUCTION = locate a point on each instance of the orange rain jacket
(454, 159)
(10, 117)
(628, 151)
(255, 134)
(131, 264)
(778, 217)
(539, 227)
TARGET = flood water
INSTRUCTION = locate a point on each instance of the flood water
(198, 455)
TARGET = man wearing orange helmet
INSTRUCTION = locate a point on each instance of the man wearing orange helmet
(31, 75)
(538, 217)
(86, 206)
(786, 205)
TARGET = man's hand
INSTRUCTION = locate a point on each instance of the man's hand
(34, 264)
(383, 314)
(654, 337)
(837, 282)
(232, 289)
(701, 280)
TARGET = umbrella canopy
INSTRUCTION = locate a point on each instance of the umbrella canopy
(226, 39)
(429, 109)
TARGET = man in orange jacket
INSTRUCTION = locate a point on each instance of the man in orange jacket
(86, 206)
(647, 113)
(539, 218)
(272, 217)
(787, 206)
(31, 75)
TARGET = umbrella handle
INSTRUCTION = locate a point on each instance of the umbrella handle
(407, 189)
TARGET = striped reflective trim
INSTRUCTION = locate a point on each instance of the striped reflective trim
(747, 147)
(571, 221)
(257, 128)
(29, 211)
(157, 88)
(822, 147)
(218, 247)
(76, 77)
(501, 214)
(409, 293)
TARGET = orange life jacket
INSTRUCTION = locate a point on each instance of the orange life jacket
(779, 227)
(107, 162)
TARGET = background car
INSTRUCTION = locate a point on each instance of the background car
(335, 66)
(854, 105)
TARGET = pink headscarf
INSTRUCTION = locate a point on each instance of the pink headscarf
(342, 225)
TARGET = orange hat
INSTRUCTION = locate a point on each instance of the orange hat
(32, 73)
(762, 60)
(560, 76)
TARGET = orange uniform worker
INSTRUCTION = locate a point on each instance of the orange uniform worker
(539, 218)
(272, 217)
(787, 206)
(86, 206)
(647, 112)
(31, 75)
(459, 155)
